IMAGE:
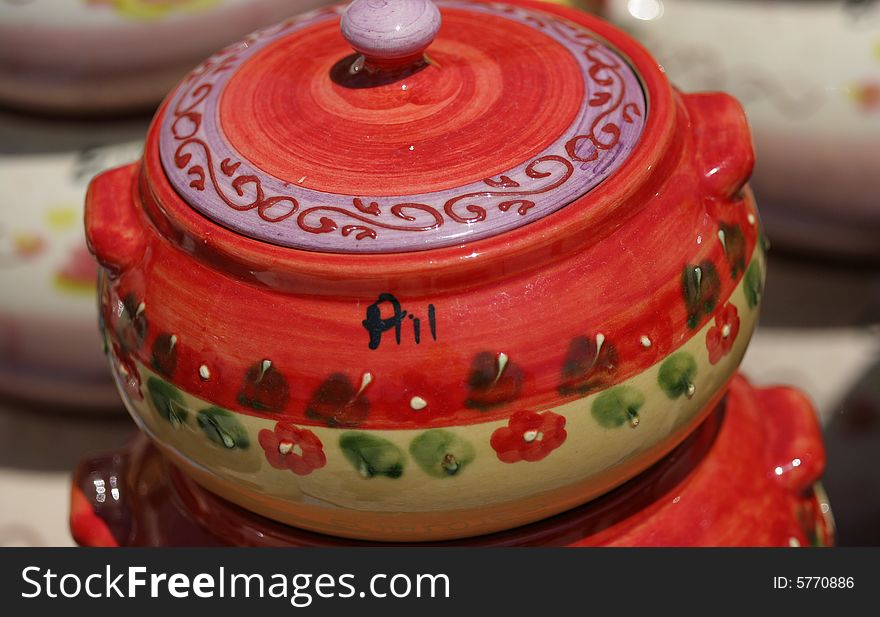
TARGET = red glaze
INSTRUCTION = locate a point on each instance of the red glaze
(733, 482)
(487, 122)
(611, 262)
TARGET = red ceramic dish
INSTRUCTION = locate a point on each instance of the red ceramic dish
(744, 478)
(343, 366)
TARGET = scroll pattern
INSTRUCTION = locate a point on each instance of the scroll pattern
(233, 183)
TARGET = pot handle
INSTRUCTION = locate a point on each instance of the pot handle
(794, 447)
(114, 232)
(725, 154)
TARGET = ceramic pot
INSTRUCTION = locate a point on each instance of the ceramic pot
(404, 294)
(99, 56)
(808, 73)
(746, 477)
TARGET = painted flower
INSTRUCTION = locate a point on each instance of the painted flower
(529, 436)
(264, 388)
(127, 372)
(20, 247)
(416, 399)
(494, 380)
(296, 449)
(701, 286)
(719, 340)
(734, 243)
(338, 402)
(867, 96)
(79, 273)
(131, 322)
(590, 364)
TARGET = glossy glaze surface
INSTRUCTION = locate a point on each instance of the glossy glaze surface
(390, 33)
(338, 391)
(744, 478)
(291, 139)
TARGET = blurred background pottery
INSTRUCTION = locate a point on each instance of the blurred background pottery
(808, 74)
(322, 310)
(82, 57)
(110, 56)
(50, 345)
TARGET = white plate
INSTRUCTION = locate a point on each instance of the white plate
(808, 74)
(91, 56)
(50, 347)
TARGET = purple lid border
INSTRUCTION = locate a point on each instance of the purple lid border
(219, 183)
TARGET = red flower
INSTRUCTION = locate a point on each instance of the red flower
(867, 96)
(415, 400)
(296, 449)
(529, 436)
(127, 372)
(719, 340)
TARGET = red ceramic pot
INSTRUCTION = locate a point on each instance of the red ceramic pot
(436, 288)
(746, 477)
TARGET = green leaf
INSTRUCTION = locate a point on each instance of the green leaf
(441, 453)
(618, 406)
(754, 283)
(371, 455)
(167, 401)
(677, 374)
(223, 428)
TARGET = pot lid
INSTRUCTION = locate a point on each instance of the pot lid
(403, 127)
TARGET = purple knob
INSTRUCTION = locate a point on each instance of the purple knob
(390, 32)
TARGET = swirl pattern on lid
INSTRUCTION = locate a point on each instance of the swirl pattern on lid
(511, 159)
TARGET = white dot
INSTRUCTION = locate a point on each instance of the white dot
(530, 436)
(725, 330)
(204, 372)
(366, 380)
(751, 218)
(794, 542)
(646, 342)
(796, 462)
(778, 471)
(411, 148)
(288, 447)
(418, 403)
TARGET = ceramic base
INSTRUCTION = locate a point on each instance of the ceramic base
(746, 477)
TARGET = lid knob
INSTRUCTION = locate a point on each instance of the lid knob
(391, 33)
